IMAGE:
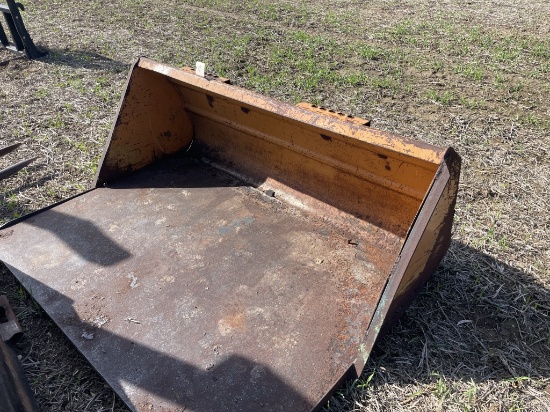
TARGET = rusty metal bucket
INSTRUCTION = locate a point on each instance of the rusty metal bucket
(237, 253)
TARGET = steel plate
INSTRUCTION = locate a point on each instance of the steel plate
(189, 290)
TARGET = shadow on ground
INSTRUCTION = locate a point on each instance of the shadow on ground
(477, 320)
(10, 206)
(84, 59)
(29, 183)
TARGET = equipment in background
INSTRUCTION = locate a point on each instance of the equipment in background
(21, 42)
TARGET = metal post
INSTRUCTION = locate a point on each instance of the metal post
(22, 41)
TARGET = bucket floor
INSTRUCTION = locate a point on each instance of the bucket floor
(190, 290)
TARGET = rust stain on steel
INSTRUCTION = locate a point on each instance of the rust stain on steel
(15, 393)
(215, 272)
(207, 76)
(302, 160)
(238, 253)
(416, 150)
(147, 127)
(9, 326)
(425, 246)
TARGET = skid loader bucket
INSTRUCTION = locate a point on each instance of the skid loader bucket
(237, 253)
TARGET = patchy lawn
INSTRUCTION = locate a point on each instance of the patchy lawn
(472, 75)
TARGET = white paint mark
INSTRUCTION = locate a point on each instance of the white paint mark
(134, 281)
(200, 68)
(100, 321)
(88, 336)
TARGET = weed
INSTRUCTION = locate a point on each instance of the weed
(56, 122)
(355, 79)
(437, 66)
(541, 50)
(473, 103)
(444, 98)
(370, 53)
(361, 384)
(441, 390)
(533, 120)
(401, 30)
(386, 82)
(331, 19)
(499, 79)
(502, 243)
(505, 54)
(21, 292)
(41, 93)
(471, 396)
(472, 71)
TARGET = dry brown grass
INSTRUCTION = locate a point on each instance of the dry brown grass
(473, 75)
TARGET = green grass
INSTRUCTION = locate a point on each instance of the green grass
(472, 71)
(444, 97)
(464, 76)
(56, 122)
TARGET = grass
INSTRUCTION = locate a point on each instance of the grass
(471, 76)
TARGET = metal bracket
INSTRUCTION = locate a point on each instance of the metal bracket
(332, 113)
(9, 327)
(22, 42)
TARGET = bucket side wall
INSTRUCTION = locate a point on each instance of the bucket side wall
(424, 248)
(150, 124)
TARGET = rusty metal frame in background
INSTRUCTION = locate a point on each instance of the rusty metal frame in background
(15, 393)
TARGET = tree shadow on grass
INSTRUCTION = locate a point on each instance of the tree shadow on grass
(477, 320)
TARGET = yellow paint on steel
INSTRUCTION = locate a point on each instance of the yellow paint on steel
(373, 137)
(362, 173)
(150, 124)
